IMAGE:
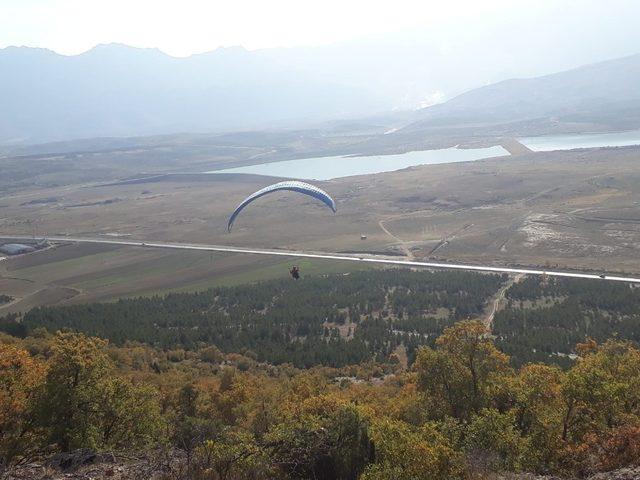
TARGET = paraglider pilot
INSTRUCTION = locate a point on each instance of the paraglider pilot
(295, 272)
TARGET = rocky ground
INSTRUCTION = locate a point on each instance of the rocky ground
(170, 465)
(628, 473)
(88, 465)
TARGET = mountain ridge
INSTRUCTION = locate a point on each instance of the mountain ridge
(116, 90)
(586, 93)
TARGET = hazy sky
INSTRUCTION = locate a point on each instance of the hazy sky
(184, 27)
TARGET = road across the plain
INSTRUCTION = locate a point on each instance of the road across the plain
(378, 259)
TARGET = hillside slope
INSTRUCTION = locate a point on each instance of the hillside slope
(606, 92)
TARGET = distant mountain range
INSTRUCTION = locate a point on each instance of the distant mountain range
(115, 90)
(605, 93)
(119, 91)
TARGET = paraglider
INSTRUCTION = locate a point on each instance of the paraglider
(295, 272)
(293, 186)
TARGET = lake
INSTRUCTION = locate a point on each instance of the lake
(326, 168)
(567, 142)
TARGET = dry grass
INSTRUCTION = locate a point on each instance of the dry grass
(575, 209)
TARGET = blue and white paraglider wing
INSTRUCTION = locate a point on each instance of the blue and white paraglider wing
(293, 186)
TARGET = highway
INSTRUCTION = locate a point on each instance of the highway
(364, 258)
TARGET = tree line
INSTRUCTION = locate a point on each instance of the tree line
(285, 321)
(341, 320)
(546, 317)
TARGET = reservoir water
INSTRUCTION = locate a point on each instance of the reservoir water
(567, 142)
(325, 168)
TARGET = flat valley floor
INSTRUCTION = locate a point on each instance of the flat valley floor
(566, 209)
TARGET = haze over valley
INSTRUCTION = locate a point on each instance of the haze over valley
(113, 89)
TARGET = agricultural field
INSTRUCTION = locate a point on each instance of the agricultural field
(71, 273)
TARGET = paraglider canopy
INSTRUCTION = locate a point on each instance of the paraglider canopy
(293, 186)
